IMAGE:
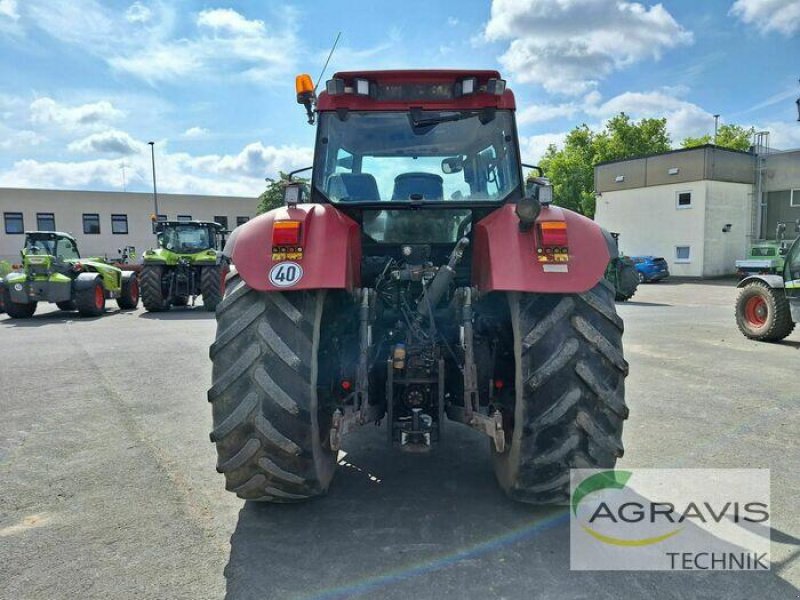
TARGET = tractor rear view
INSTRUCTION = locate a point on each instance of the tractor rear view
(187, 263)
(420, 284)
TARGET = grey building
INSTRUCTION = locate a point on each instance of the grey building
(699, 207)
(103, 222)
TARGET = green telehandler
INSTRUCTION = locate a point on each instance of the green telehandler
(53, 271)
(187, 263)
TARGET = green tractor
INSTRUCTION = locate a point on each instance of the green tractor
(767, 257)
(622, 274)
(187, 263)
(768, 306)
(53, 271)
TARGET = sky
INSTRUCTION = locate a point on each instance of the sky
(85, 84)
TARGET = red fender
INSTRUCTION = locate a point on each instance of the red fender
(331, 244)
(505, 258)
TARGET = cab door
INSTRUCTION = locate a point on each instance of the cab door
(791, 278)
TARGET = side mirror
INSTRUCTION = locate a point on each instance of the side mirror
(293, 194)
(783, 251)
(452, 165)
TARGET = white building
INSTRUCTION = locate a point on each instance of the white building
(694, 207)
(103, 222)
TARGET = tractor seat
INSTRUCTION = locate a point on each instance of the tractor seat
(353, 187)
(427, 185)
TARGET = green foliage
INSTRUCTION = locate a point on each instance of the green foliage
(272, 197)
(571, 169)
(734, 137)
(5, 268)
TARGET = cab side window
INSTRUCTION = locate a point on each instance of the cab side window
(793, 263)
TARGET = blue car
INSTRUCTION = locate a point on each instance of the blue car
(650, 268)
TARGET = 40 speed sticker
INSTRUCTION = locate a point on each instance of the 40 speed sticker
(285, 274)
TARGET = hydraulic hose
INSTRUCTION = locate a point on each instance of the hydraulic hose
(441, 282)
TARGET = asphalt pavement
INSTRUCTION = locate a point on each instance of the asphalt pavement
(108, 487)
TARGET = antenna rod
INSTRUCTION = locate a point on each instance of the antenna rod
(336, 41)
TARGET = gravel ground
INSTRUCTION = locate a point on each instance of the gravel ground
(108, 487)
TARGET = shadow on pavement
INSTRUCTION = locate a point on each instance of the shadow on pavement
(635, 303)
(179, 314)
(398, 526)
(55, 317)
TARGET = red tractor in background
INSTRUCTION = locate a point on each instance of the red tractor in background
(419, 280)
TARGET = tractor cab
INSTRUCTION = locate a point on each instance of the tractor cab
(47, 251)
(189, 237)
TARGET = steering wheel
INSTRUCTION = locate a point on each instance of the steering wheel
(34, 249)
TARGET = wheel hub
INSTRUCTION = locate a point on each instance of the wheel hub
(756, 311)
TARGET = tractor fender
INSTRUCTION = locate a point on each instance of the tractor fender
(85, 281)
(773, 281)
(505, 257)
(330, 257)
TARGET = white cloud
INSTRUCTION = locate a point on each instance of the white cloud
(453, 21)
(112, 141)
(8, 9)
(138, 13)
(533, 148)
(239, 174)
(538, 113)
(684, 118)
(195, 132)
(783, 135)
(46, 111)
(226, 21)
(217, 44)
(20, 139)
(782, 16)
(567, 46)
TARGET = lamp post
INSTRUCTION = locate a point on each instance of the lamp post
(155, 191)
(716, 128)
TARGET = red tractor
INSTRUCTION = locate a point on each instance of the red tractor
(418, 280)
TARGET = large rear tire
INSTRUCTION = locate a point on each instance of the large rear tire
(569, 395)
(152, 291)
(762, 313)
(212, 285)
(271, 438)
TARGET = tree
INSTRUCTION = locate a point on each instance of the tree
(731, 136)
(272, 197)
(571, 169)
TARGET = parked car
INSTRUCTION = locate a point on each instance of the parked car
(650, 268)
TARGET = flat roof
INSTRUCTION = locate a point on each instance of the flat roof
(679, 150)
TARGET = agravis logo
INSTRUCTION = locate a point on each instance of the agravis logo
(671, 519)
(603, 481)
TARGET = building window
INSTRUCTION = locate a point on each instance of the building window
(45, 222)
(794, 198)
(241, 220)
(222, 221)
(119, 224)
(683, 254)
(684, 199)
(162, 218)
(184, 218)
(91, 223)
(14, 222)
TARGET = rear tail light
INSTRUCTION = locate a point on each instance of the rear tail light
(553, 242)
(286, 233)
